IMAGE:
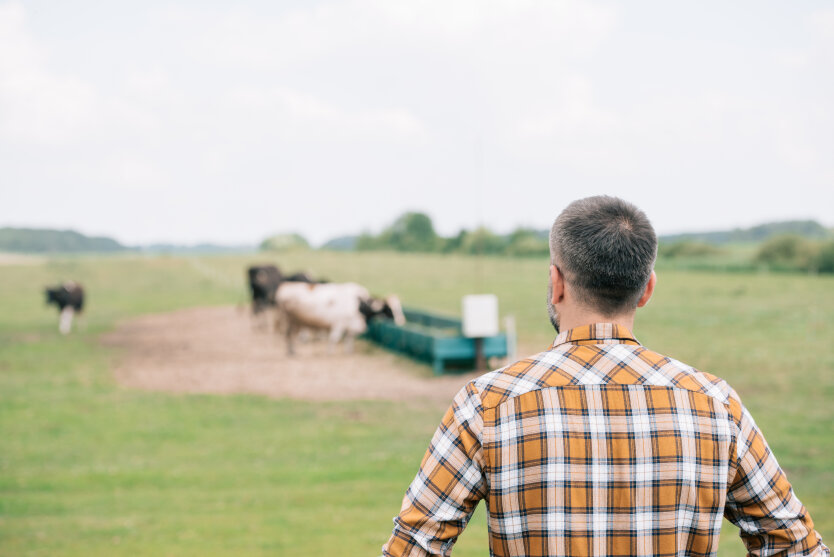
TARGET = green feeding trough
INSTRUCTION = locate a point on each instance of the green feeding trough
(436, 339)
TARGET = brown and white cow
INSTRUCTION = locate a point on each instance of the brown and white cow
(342, 310)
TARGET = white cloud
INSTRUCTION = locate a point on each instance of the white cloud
(127, 171)
(572, 113)
(35, 104)
(149, 83)
(823, 22)
(304, 116)
(241, 37)
(44, 106)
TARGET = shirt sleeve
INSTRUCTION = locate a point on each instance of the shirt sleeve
(761, 502)
(441, 499)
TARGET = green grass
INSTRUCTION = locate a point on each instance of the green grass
(90, 468)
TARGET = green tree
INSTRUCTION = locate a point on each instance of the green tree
(411, 232)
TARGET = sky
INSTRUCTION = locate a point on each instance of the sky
(227, 122)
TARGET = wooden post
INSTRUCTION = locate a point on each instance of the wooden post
(480, 360)
(512, 338)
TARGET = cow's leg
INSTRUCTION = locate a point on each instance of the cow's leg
(260, 316)
(336, 334)
(290, 332)
(279, 322)
(253, 317)
(281, 327)
(270, 316)
(65, 323)
(349, 338)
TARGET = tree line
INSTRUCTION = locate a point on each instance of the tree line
(36, 240)
(414, 232)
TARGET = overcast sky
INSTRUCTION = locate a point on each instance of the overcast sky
(230, 121)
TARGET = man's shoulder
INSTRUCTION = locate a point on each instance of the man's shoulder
(583, 366)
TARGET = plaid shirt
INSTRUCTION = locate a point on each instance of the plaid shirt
(599, 446)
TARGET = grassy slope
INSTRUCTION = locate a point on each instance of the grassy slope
(88, 468)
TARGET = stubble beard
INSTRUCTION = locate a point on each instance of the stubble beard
(551, 311)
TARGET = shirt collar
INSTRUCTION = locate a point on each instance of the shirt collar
(596, 333)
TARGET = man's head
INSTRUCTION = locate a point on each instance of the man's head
(604, 248)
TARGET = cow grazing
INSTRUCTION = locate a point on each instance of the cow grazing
(69, 297)
(340, 309)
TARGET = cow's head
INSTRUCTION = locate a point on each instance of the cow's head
(388, 308)
(394, 310)
(56, 295)
(264, 276)
(263, 282)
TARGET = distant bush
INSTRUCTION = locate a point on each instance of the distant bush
(285, 242)
(805, 228)
(454, 243)
(788, 252)
(528, 242)
(342, 243)
(688, 249)
(482, 241)
(367, 241)
(825, 258)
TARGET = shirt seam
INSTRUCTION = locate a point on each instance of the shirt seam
(726, 403)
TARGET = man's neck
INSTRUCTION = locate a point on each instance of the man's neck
(570, 319)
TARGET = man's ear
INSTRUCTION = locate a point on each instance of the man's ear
(644, 299)
(557, 279)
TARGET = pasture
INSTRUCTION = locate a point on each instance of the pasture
(91, 467)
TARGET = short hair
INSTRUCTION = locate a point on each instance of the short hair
(606, 248)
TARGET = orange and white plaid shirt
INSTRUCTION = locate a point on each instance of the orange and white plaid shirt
(599, 446)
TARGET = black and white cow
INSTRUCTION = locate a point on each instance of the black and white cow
(301, 276)
(342, 310)
(69, 297)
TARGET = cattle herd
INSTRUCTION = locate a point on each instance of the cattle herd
(297, 303)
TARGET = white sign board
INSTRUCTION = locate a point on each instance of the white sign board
(480, 315)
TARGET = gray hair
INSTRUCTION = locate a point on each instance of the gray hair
(605, 248)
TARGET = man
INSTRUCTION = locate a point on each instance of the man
(599, 446)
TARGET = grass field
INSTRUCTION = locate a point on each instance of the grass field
(90, 468)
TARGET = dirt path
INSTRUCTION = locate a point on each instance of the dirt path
(216, 350)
